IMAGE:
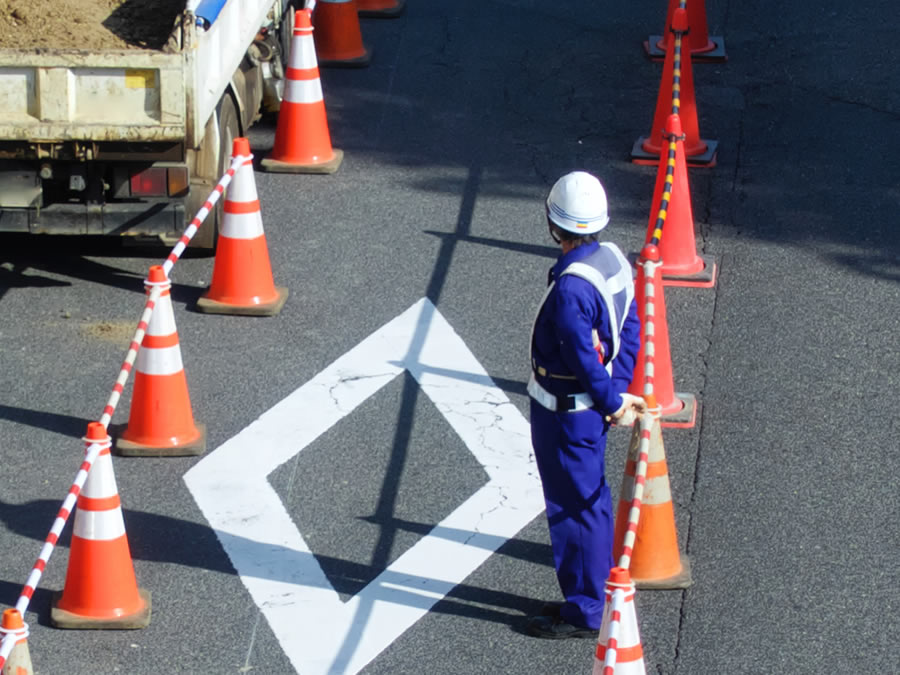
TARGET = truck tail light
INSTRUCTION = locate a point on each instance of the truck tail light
(157, 181)
(149, 183)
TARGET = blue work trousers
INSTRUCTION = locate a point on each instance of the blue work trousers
(569, 448)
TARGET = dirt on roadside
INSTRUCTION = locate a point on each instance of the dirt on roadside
(87, 24)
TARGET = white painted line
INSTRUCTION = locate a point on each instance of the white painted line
(318, 632)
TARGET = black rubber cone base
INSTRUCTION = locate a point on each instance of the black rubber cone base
(125, 448)
(706, 160)
(277, 166)
(208, 306)
(358, 62)
(705, 278)
(63, 619)
(685, 418)
(716, 55)
(390, 13)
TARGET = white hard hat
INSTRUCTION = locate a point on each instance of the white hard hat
(577, 203)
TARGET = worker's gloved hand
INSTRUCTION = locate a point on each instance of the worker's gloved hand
(633, 408)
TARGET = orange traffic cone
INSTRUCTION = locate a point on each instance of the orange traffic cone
(699, 152)
(19, 660)
(681, 266)
(100, 590)
(380, 9)
(629, 654)
(338, 37)
(654, 558)
(161, 422)
(654, 360)
(704, 48)
(302, 141)
(242, 274)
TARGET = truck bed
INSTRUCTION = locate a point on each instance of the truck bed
(87, 24)
(130, 95)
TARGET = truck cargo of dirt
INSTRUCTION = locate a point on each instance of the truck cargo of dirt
(87, 24)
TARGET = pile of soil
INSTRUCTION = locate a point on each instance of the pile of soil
(87, 24)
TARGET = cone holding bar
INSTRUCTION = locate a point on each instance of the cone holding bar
(681, 266)
(699, 152)
(101, 590)
(704, 48)
(380, 9)
(19, 660)
(656, 561)
(161, 422)
(654, 360)
(338, 36)
(627, 644)
(242, 274)
(302, 142)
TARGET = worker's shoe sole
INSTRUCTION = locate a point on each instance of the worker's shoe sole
(557, 628)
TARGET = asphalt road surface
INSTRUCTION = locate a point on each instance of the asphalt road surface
(785, 491)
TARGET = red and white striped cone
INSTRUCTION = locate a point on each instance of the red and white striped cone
(242, 280)
(302, 141)
(619, 650)
(101, 590)
(19, 660)
(161, 422)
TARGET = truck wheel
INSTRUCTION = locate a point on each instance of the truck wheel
(229, 129)
(287, 31)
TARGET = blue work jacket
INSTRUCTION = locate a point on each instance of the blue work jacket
(563, 343)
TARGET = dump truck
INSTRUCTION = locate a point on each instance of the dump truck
(131, 141)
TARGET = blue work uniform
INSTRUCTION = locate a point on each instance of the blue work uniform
(584, 346)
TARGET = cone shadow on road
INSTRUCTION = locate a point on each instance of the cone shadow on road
(163, 539)
(67, 425)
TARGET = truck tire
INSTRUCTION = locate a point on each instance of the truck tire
(287, 31)
(229, 129)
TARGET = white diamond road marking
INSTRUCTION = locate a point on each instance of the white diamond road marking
(318, 632)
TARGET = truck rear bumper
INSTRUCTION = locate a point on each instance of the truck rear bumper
(122, 219)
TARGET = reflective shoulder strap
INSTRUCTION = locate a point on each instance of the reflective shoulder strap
(593, 277)
(622, 280)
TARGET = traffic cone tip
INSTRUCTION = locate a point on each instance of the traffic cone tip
(241, 147)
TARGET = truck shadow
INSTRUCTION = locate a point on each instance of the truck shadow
(73, 256)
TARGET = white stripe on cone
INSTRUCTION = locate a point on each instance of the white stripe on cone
(242, 225)
(303, 91)
(303, 49)
(99, 525)
(101, 481)
(162, 321)
(159, 360)
(243, 186)
(656, 490)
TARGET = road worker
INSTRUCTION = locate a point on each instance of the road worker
(584, 345)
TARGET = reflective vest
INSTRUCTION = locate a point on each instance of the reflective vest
(607, 270)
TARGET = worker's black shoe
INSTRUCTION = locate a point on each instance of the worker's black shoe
(551, 608)
(557, 628)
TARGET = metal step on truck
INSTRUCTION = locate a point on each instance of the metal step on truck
(131, 141)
